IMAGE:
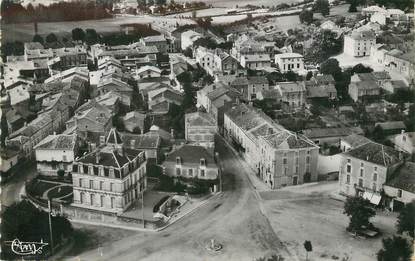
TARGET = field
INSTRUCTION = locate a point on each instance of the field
(239, 3)
(24, 32)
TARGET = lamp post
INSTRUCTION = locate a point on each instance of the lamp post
(142, 208)
(220, 171)
(50, 224)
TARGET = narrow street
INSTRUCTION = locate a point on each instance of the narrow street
(10, 191)
(233, 219)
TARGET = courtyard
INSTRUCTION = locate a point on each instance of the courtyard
(310, 212)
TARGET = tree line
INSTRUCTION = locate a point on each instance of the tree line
(63, 11)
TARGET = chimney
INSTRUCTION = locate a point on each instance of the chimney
(97, 157)
(142, 131)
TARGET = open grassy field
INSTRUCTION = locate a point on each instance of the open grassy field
(239, 3)
(24, 32)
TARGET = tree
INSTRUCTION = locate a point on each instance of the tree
(395, 248)
(188, 52)
(27, 223)
(325, 44)
(360, 211)
(309, 75)
(322, 6)
(406, 219)
(205, 42)
(51, 38)
(331, 66)
(360, 68)
(306, 16)
(4, 129)
(91, 36)
(78, 34)
(60, 173)
(38, 39)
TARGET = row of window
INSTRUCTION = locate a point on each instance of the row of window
(179, 161)
(189, 172)
(93, 201)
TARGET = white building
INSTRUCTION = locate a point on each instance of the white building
(358, 43)
(56, 152)
(290, 62)
(256, 61)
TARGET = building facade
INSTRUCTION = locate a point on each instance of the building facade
(110, 178)
(366, 168)
(358, 43)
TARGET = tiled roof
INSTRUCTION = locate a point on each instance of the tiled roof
(141, 141)
(200, 119)
(57, 142)
(404, 178)
(288, 55)
(376, 153)
(355, 140)
(366, 85)
(257, 80)
(190, 154)
(330, 132)
(109, 157)
(315, 91)
(391, 125)
(240, 81)
(248, 118)
(257, 57)
(324, 78)
(363, 35)
(286, 87)
(288, 140)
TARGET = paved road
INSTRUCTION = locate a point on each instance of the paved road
(10, 191)
(233, 219)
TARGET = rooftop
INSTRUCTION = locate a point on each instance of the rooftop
(403, 178)
(200, 119)
(376, 153)
(141, 141)
(391, 125)
(288, 55)
(109, 157)
(288, 140)
(355, 140)
(190, 154)
(291, 87)
(330, 132)
(57, 142)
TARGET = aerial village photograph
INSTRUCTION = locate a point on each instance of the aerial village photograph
(204, 130)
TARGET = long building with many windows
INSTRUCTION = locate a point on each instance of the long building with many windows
(280, 157)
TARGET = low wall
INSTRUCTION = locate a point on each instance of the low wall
(328, 164)
(76, 213)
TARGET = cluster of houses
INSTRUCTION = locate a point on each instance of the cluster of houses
(67, 117)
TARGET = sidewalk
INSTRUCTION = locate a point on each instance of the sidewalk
(186, 209)
(257, 184)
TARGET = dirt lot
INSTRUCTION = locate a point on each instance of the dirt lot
(308, 213)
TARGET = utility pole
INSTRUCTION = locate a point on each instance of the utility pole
(50, 224)
(142, 208)
(220, 170)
